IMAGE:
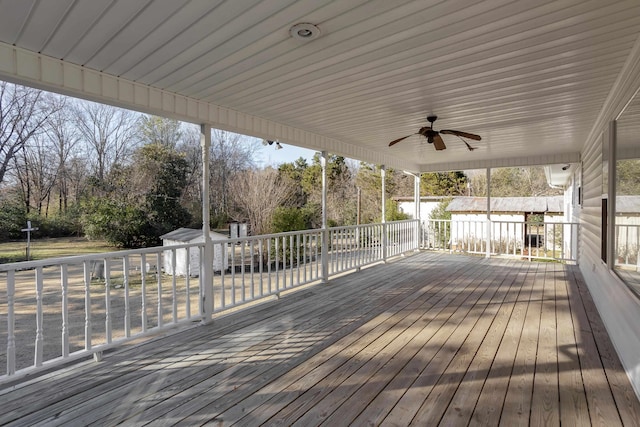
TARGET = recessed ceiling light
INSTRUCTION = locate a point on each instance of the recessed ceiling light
(304, 32)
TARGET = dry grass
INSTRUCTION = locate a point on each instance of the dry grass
(52, 248)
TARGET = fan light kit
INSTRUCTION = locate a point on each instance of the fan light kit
(433, 136)
(269, 142)
(304, 32)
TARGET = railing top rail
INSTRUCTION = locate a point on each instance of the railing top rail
(505, 221)
(77, 259)
(353, 227)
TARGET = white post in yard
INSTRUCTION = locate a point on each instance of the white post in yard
(28, 230)
(488, 223)
(206, 277)
(325, 231)
(383, 174)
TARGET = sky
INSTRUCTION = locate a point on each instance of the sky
(269, 156)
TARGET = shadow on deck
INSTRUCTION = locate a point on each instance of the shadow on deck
(427, 339)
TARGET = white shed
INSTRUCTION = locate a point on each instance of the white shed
(183, 236)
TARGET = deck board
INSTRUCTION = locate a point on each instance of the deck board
(425, 340)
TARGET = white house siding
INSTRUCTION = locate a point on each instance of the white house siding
(617, 305)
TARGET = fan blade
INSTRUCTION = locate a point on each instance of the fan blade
(462, 134)
(395, 141)
(470, 148)
(438, 142)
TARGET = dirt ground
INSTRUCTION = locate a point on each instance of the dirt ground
(238, 287)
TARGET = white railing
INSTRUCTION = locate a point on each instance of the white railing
(549, 241)
(65, 308)
(627, 246)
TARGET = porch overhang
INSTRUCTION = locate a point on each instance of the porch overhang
(532, 80)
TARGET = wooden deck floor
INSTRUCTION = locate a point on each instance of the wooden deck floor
(429, 339)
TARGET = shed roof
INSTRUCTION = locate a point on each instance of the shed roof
(188, 234)
(507, 204)
(628, 204)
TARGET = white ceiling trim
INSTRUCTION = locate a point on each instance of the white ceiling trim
(540, 160)
(33, 69)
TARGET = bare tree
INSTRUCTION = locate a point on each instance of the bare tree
(230, 153)
(255, 196)
(63, 137)
(109, 135)
(22, 115)
(36, 172)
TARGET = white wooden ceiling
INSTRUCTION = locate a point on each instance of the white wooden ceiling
(530, 77)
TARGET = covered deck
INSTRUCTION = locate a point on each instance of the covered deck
(426, 339)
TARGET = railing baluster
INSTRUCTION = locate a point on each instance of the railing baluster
(107, 300)
(11, 323)
(291, 248)
(305, 242)
(261, 265)
(233, 271)
(242, 268)
(143, 291)
(269, 240)
(187, 276)
(276, 262)
(297, 237)
(64, 282)
(222, 247)
(88, 330)
(159, 290)
(201, 284)
(127, 306)
(174, 287)
(39, 344)
(251, 262)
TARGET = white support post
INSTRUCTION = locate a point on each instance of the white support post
(611, 202)
(416, 210)
(385, 240)
(488, 222)
(206, 278)
(325, 230)
(416, 198)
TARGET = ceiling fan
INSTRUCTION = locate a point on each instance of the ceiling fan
(433, 136)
